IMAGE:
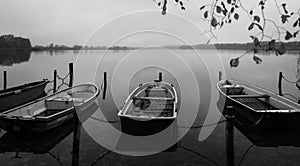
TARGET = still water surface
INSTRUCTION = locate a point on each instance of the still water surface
(194, 75)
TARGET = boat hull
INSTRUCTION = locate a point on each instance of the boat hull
(52, 118)
(262, 120)
(19, 95)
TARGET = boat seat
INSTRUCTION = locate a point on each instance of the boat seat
(152, 98)
(250, 96)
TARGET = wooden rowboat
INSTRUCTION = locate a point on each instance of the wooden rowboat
(48, 112)
(16, 96)
(149, 109)
(260, 107)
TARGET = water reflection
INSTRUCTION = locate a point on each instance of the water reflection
(43, 143)
(8, 58)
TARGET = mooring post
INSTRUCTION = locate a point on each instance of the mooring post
(220, 75)
(229, 136)
(71, 74)
(4, 79)
(160, 76)
(280, 83)
(105, 85)
(76, 139)
(54, 81)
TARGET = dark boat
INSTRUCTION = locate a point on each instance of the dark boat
(16, 96)
(149, 109)
(258, 106)
(50, 111)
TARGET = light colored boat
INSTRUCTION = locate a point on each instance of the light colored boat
(150, 108)
(48, 112)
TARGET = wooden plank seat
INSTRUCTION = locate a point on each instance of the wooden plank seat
(250, 96)
(153, 98)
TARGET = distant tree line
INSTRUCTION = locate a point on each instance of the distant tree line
(12, 42)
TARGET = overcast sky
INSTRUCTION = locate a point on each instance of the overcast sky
(71, 22)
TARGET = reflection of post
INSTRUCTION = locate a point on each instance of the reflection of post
(220, 75)
(229, 136)
(71, 74)
(4, 79)
(76, 139)
(105, 84)
(54, 81)
(160, 76)
(279, 83)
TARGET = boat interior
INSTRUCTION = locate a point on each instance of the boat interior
(157, 101)
(259, 100)
(52, 105)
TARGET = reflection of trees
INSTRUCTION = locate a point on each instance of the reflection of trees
(8, 58)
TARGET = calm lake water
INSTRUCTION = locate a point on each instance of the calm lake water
(194, 75)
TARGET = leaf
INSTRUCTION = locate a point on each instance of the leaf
(284, 18)
(272, 45)
(288, 35)
(234, 62)
(250, 26)
(255, 50)
(202, 7)
(222, 23)
(182, 8)
(256, 42)
(205, 14)
(232, 10)
(259, 26)
(229, 1)
(298, 83)
(256, 18)
(295, 33)
(214, 22)
(159, 3)
(295, 23)
(181, 3)
(218, 9)
(257, 59)
(251, 12)
(281, 50)
(236, 16)
(284, 8)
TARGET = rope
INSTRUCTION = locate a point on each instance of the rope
(200, 126)
(102, 155)
(198, 154)
(57, 158)
(244, 155)
(287, 94)
(292, 82)
(105, 121)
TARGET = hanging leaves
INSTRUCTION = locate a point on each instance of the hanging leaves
(257, 59)
(271, 45)
(218, 9)
(205, 14)
(295, 23)
(202, 7)
(234, 62)
(256, 42)
(214, 22)
(251, 12)
(288, 35)
(256, 18)
(284, 18)
(250, 26)
(236, 16)
(281, 50)
(284, 8)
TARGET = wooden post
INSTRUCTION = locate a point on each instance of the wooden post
(54, 81)
(229, 136)
(280, 83)
(104, 86)
(4, 79)
(160, 76)
(71, 74)
(76, 139)
(220, 75)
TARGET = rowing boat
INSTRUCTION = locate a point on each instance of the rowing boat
(50, 111)
(18, 95)
(259, 106)
(149, 109)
